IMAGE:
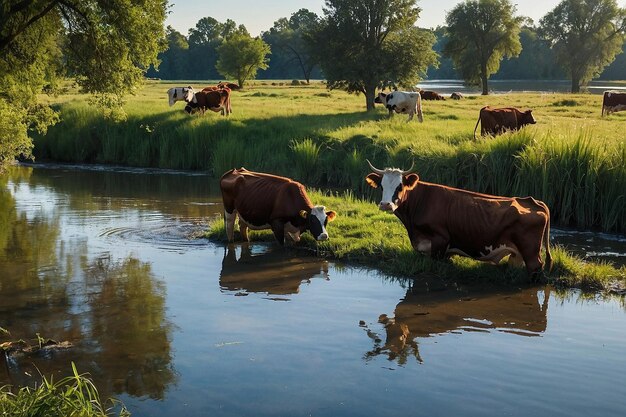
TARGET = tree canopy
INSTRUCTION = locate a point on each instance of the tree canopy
(586, 35)
(105, 45)
(241, 56)
(480, 34)
(363, 45)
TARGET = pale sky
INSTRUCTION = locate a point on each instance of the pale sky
(260, 15)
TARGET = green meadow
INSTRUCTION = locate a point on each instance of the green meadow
(572, 158)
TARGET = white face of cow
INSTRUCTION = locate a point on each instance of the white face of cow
(317, 221)
(189, 95)
(186, 94)
(394, 184)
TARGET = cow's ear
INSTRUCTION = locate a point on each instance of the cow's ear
(304, 214)
(410, 180)
(330, 215)
(373, 180)
(529, 112)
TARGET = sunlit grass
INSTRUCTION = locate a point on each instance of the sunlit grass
(572, 158)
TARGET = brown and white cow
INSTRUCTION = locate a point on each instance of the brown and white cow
(226, 84)
(431, 95)
(613, 101)
(266, 201)
(214, 100)
(221, 86)
(495, 120)
(443, 221)
(456, 96)
(406, 102)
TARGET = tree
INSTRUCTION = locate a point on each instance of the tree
(287, 38)
(175, 60)
(241, 56)
(481, 33)
(586, 35)
(363, 45)
(105, 45)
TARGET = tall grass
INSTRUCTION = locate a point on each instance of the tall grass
(571, 159)
(73, 396)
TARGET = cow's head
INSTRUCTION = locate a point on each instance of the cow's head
(316, 221)
(381, 98)
(527, 118)
(394, 183)
(189, 95)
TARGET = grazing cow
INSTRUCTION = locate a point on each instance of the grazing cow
(456, 96)
(406, 102)
(265, 201)
(180, 94)
(215, 100)
(229, 109)
(226, 84)
(431, 95)
(442, 221)
(497, 120)
(613, 101)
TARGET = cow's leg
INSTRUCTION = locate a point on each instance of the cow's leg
(229, 224)
(243, 229)
(278, 228)
(411, 114)
(420, 116)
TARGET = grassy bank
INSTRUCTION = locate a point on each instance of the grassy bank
(363, 235)
(572, 159)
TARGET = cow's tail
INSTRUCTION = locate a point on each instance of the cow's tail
(546, 242)
(477, 121)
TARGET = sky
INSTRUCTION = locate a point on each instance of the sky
(260, 15)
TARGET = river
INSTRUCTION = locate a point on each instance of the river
(171, 324)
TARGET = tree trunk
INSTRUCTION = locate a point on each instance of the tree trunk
(575, 84)
(484, 79)
(240, 81)
(370, 95)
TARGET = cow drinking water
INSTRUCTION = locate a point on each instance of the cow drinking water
(265, 201)
(443, 221)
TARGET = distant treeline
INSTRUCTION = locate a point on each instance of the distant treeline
(194, 58)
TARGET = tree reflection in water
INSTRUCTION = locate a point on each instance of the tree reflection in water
(112, 311)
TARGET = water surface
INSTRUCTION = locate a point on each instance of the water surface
(175, 325)
(510, 86)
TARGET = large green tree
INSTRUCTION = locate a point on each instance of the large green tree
(105, 45)
(241, 56)
(586, 35)
(480, 34)
(363, 45)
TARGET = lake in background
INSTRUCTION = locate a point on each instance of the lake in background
(516, 86)
(174, 325)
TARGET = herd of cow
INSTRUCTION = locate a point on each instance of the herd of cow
(215, 98)
(441, 221)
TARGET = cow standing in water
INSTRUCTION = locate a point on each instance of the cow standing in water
(266, 201)
(443, 221)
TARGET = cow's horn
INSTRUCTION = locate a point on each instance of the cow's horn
(409, 170)
(376, 170)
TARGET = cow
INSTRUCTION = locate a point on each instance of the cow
(216, 100)
(443, 221)
(456, 96)
(406, 102)
(180, 94)
(218, 87)
(613, 101)
(431, 95)
(226, 84)
(266, 201)
(497, 120)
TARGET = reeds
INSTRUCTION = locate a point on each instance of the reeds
(74, 395)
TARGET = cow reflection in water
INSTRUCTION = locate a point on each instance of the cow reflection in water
(424, 314)
(275, 273)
